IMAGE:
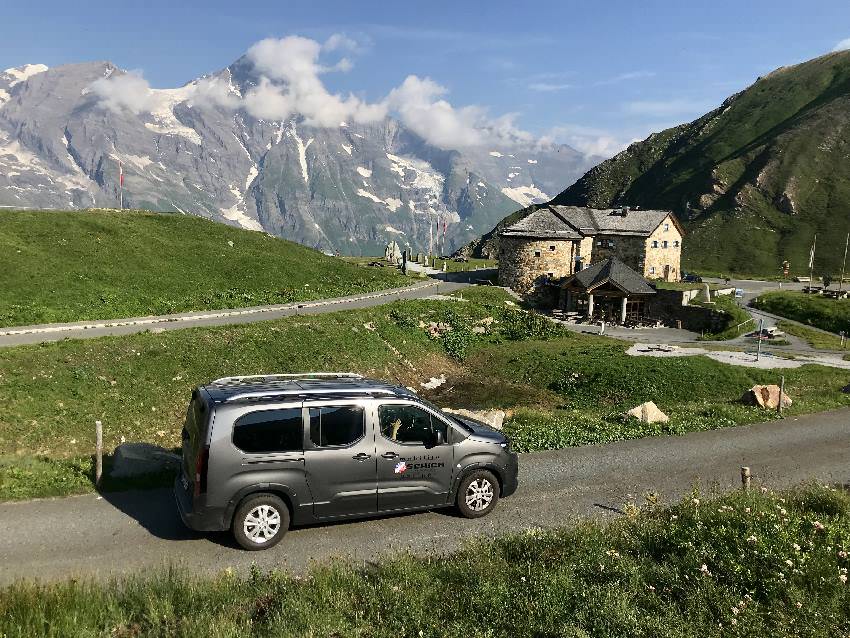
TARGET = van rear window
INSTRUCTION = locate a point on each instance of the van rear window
(268, 431)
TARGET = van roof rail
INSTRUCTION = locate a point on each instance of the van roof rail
(261, 394)
(303, 375)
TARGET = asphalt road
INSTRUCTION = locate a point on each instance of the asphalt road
(119, 533)
(22, 335)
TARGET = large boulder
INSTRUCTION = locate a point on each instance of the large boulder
(765, 396)
(135, 459)
(648, 413)
(494, 418)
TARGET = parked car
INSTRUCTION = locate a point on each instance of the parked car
(691, 278)
(261, 452)
(766, 333)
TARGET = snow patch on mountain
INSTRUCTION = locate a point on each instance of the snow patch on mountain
(234, 214)
(390, 229)
(364, 172)
(526, 195)
(496, 154)
(23, 73)
(346, 148)
(302, 151)
(165, 121)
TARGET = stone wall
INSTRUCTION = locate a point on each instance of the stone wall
(525, 263)
(629, 250)
(661, 262)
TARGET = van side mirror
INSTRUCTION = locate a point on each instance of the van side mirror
(438, 438)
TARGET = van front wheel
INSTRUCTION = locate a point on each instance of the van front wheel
(477, 494)
(260, 521)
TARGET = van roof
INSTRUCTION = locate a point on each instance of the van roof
(310, 386)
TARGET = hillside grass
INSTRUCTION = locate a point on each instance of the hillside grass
(745, 564)
(736, 320)
(815, 338)
(562, 388)
(68, 266)
(832, 315)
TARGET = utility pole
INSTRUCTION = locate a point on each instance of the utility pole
(843, 263)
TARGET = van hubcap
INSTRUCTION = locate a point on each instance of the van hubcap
(262, 523)
(479, 494)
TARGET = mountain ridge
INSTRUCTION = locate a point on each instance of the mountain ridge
(349, 188)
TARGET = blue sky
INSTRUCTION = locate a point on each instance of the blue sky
(593, 74)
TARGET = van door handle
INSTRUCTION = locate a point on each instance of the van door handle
(362, 457)
(389, 455)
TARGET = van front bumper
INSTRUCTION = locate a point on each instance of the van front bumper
(200, 519)
(510, 480)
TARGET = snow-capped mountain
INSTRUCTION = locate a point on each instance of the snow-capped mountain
(349, 188)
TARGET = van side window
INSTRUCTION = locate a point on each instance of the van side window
(408, 424)
(269, 431)
(335, 426)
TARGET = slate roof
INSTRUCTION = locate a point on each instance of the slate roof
(575, 222)
(543, 224)
(612, 271)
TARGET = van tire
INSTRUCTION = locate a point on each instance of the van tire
(477, 494)
(260, 521)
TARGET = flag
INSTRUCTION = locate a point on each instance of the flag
(812, 253)
(120, 174)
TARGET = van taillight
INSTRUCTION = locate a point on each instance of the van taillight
(201, 471)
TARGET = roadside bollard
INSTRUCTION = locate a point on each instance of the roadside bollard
(745, 478)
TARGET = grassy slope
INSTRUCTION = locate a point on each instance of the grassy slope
(743, 565)
(827, 314)
(786, 133)
(67, 266)
(567, 389)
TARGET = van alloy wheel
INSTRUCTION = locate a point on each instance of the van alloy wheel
(262, 523)
(479, 494)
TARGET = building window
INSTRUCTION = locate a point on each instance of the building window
(605, 243)
(552, 248)
(537, 253)
(652, 270)
(655, 243)
(664, 244)
(550, 275)
(675, 244)
(666, 227)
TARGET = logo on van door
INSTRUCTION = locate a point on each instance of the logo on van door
(400, 468)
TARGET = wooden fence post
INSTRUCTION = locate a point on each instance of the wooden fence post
(98, 468)
(781, 393)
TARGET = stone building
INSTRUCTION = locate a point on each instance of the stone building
(555, 242)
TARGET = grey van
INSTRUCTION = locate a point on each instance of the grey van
(261, 452)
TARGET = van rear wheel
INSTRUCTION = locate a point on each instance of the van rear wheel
(477, 494)
(260, 521)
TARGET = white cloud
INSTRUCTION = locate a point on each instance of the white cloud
(665, 108)
(589, 140)
(213, 92)
(124, 92)
(291, 84)
(625, 77)
(548, 86)
(843, 45)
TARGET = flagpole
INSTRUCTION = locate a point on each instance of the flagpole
(843, 263)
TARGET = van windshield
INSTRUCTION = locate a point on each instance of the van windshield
(446, 415)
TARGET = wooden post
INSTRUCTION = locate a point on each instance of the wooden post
(745, 478)
(758, 346)
(781, 392)
(98, 467)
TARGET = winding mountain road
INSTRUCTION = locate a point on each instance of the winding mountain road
(101, 536)
(43, 333)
